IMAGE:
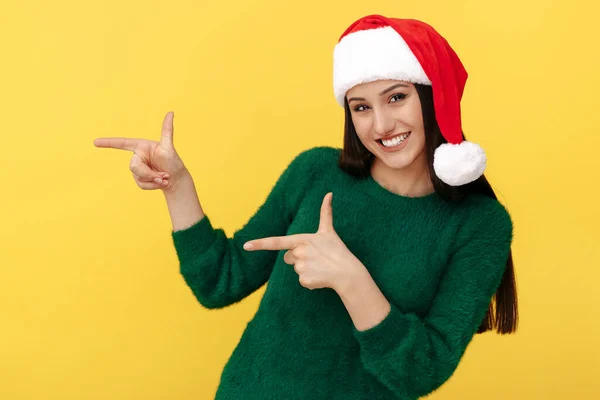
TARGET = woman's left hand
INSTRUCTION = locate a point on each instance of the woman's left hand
(320, 259)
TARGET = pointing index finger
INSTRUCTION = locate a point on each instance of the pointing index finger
(276, 242)
(118, 143)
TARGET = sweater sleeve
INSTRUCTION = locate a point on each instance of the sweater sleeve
(216, 268)
(414, 355)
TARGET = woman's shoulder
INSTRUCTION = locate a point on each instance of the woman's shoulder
(320, 155)
(486, 215)
(478, 202)
(316, 158)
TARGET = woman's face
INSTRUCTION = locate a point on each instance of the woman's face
(388, 119)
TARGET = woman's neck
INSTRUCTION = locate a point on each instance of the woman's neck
(412, 181)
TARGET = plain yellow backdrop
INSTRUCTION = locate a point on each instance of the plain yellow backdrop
(92, 305)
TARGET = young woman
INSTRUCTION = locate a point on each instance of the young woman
(383, 258)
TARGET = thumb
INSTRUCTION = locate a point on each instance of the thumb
(326, 222)
(166, 139)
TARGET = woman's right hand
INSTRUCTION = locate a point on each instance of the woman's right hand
(154, 165)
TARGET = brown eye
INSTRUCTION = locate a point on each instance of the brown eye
(399, 96)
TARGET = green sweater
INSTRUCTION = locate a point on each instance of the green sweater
(438, 264)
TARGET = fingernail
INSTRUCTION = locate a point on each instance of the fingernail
(248, 246)
(157, 180)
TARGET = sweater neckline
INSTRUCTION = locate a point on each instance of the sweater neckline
(378, 191)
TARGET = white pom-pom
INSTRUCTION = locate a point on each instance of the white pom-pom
(459, 164)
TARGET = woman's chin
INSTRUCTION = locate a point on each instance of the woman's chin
(397, 161)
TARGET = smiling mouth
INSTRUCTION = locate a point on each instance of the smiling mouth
(395, 141)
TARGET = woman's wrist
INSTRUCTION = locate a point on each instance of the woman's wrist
(183, 203)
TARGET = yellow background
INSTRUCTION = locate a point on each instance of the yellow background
(92, 305)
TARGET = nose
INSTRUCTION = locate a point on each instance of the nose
(383, 122)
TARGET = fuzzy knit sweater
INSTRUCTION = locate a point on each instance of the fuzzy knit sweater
(438, 264)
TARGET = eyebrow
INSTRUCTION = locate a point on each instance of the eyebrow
(382, 93)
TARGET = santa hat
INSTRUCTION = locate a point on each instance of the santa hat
(375, 47)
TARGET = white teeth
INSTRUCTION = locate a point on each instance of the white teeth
(395, 141)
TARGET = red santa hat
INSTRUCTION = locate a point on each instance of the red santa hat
(375, 47)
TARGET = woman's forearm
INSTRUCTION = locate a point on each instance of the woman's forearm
(183, 203)
(364, 301)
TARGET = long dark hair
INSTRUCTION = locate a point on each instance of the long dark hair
(356, 160)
